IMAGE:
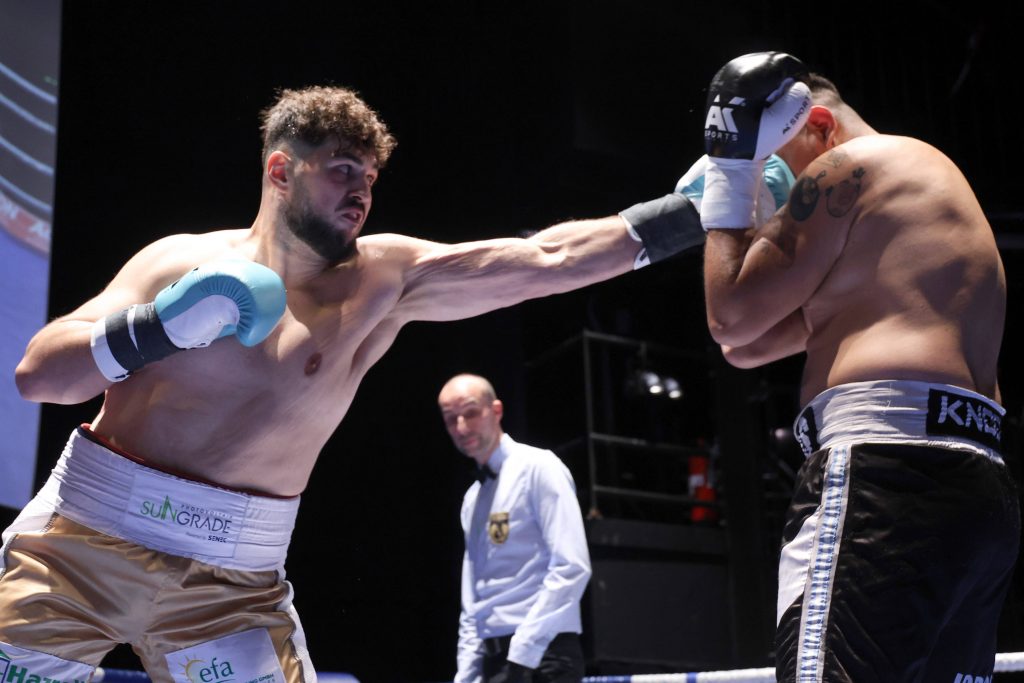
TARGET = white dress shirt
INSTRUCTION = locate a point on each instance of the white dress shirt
(526, 563)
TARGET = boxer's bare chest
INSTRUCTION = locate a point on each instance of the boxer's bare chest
(325, 331)
(229, 410)
(315, 356)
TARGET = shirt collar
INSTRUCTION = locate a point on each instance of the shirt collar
(500, 453)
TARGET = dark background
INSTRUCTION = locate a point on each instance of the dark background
(510, 117)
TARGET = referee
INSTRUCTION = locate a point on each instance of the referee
(526, 563)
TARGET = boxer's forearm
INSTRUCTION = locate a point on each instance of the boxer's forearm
(58, 365)
(786, 338)
(452, 282)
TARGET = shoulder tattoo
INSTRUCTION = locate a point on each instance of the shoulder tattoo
(804, 197)
(835, 158)
(840, 198)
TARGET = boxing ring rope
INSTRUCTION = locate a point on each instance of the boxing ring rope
(1005, 662)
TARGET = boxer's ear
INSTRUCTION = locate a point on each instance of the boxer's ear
(278, 168)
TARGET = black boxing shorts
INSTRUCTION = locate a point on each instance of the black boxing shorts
(900, 540)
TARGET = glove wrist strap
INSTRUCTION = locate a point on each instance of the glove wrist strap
(123, 342)
(731, 187)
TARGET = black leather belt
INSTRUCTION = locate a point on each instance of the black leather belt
(497, 646)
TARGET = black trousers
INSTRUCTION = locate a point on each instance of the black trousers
(562, 662)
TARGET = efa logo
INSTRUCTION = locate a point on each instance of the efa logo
(719, 124)
(216, 671)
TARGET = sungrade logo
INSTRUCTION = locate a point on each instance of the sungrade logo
(187, 516)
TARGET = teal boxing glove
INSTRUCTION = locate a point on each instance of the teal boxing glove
(214, 300)
(773, 192)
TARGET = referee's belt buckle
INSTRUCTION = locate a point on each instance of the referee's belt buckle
(497, 646)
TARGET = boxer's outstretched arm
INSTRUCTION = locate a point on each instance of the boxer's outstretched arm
(454, 281)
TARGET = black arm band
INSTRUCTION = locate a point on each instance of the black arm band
(150, 342)
(119, 341)
(150, 335)
(666, 226)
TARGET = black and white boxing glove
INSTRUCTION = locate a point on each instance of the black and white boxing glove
(756, 104)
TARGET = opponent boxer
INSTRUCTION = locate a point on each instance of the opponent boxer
(166, 522)
(902, 534)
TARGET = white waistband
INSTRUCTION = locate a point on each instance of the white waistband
(901, 411)
(113, 495)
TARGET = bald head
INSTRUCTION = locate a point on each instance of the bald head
(472, 415)
(469, 383)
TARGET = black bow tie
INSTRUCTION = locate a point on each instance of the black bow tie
(484, 473)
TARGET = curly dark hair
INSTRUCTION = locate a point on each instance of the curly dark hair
(313, 114)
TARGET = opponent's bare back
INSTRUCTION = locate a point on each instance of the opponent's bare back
(880, 266)
(917, 290)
